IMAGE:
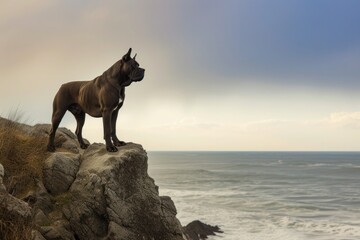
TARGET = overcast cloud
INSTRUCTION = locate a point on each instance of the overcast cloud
(212, 67)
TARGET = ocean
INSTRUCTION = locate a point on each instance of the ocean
(264, 195)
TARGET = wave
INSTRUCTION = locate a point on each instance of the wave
(262, 225)
(318, 165)
(202, 193)
(333, 164)
(240, 214)
(325, 227)
(267, 196)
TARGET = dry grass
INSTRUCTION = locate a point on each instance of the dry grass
(14, 229)
(22, 156)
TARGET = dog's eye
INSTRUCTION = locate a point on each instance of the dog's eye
(135, 65)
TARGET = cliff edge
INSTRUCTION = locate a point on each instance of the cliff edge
(82, 194)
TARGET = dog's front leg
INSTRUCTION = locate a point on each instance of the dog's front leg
(106, 115)
(114, 138)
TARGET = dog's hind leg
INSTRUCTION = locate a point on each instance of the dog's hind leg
(58, 114)
(80, 120)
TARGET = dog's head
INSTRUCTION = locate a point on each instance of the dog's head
(130, 69)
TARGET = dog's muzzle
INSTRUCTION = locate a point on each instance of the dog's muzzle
(137, 74)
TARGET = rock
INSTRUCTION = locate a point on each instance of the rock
(2, 173)
(114, 197)
(68, 140)
(91, 194)
(197, 230)
(60, 170)
(64, 137)
(43, 198)
(15, 214)
(36, 235)
(169, 211)
(40, 218)
(12, 207)
(56, 233)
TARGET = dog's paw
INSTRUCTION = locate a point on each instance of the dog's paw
(84, 146)
(51, 148)
(119, 143)
(111, 149)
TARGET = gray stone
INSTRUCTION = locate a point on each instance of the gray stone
(64, 137)
(60, 171)
(2, 173)
(197, 230)
(12, 207)
(169, 212)
(43, 198)
(36, 235)
(56, 233)
(115, 197)
(92, 194)
(40, 218)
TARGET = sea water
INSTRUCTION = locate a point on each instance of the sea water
(264, 195)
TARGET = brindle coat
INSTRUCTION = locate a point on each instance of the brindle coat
(101, 97)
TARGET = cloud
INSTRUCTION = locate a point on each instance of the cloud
(349, 120)
(13, 10)
(231, 71)
(338, 120)
(190, 124)
(338, 131)
(216, 47)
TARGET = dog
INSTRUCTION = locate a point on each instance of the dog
(101, 97)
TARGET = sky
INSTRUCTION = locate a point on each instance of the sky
(246, 75)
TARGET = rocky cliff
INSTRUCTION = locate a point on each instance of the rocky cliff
(89, 194)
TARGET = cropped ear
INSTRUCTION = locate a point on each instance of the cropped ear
(127, 57)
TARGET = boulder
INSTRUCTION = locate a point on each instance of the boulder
(59, 230)
(13, 207)
(60, 170)
(197, 230)
(10, 206)
(91, 194)
(113, 196)
(36, 235)
(2, 174)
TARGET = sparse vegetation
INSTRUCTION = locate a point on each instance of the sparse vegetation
(14, 228)
(22, 156)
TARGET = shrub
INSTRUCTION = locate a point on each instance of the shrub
(14, 228)
(22, 156)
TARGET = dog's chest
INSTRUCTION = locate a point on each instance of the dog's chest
(119, 105)
(121, 96)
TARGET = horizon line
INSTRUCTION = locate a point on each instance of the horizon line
(292, 151)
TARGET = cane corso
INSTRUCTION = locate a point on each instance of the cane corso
(101, 97)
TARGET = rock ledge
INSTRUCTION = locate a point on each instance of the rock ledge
(93, 194)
